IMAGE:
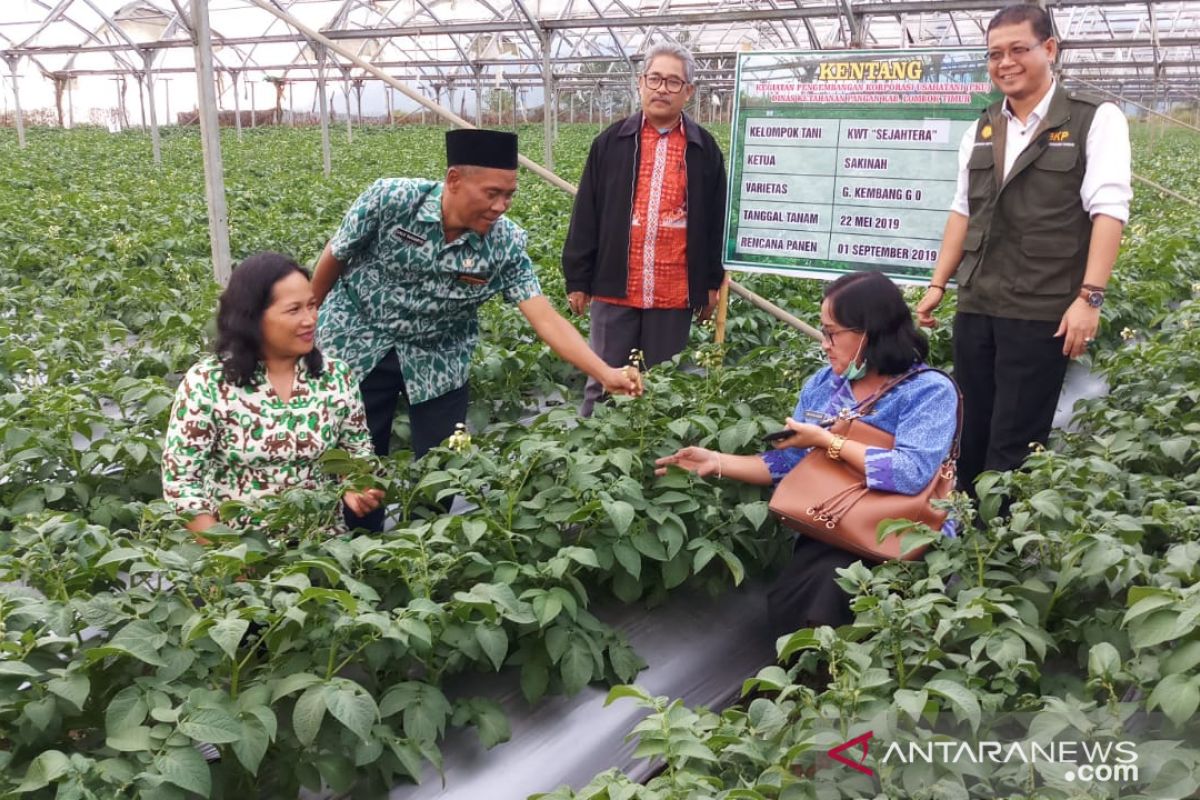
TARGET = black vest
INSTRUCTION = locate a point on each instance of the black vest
(1027, 238)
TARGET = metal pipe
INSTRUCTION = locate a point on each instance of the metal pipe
(155, 139)
(210, 134)
(449, 116)
(16, 89)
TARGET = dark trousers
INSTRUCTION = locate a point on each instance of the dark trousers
(432, 421)
(1011, 374)
(806, 593)
(660, 333)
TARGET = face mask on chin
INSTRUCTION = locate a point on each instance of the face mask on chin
(855, 371)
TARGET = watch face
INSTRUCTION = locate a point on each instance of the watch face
(1095, 299)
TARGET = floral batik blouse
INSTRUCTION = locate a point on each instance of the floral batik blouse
(227, 442)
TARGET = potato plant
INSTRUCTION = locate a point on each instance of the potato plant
(1076, 611)
(126, 649)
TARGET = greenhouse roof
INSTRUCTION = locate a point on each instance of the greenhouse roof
(1148, 50)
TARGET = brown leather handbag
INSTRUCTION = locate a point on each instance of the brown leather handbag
(829, 500)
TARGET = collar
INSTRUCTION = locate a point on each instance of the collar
(431, 209)
(671, 129)
(632, 125)
(431, 212)
(1039, 111)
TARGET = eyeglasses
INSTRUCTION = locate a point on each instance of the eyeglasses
(828, 333)
(1016, 52)
(655, 81)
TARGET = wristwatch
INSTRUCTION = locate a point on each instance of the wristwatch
(1094, 295)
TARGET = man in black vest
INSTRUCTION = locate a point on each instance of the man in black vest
(1043, 195)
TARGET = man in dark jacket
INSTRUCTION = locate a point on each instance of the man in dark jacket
(644, 247)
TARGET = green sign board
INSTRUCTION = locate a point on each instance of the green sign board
(848, 160)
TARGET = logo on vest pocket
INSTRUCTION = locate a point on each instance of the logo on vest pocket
(986, 133)
(1060, 136)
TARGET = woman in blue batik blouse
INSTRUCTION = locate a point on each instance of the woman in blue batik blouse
(869, 339)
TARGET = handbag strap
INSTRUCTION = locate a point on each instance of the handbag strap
(870, 402)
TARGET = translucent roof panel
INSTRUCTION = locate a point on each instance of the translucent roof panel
(1141, 48)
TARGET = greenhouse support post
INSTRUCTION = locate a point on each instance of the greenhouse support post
(210, 135)
(16, 90)
(323, 101)
(237, 103)
(155, 139)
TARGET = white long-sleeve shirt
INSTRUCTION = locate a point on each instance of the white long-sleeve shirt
(1106, 188)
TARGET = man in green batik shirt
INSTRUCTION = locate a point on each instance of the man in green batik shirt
(401, 282)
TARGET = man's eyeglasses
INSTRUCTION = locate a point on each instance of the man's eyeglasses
(655, 81)
(828, 333)
(1016, 52)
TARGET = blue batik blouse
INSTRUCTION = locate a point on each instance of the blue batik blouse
(921, 413)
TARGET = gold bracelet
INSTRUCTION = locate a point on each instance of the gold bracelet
(835, 448)
(719, 466)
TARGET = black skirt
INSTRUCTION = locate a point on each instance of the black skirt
(806, 594)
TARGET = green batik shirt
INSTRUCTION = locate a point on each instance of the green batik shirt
(226, 442)
(406, 287)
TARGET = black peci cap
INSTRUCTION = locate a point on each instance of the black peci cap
(476, 147)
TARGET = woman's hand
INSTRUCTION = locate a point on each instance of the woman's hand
(363, 503)
(694, 459)
(199, 524)
(805, 434)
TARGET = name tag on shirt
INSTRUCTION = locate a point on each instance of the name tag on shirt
(409, 237)
(472, 278)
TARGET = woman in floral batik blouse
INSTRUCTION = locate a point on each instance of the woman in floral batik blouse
(253, 419)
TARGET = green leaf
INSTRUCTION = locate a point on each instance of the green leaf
(788, 646)
(691, 748)
(308, 713)
(474, 529)
(649, 545)
(46, 768)
(576, 665)
(735, 566)
(18, 669)
(409, 757)
(126, 710)
(490, 721)
(1048, 503)
(228, 633)
(631, 691)
(584, 556)
(131, 740)
(1182, 658)
(911, 702)
(494, 642)
(185, 767)
(1176, 449)
(621, 514)
(627, 556)
(353, 706)
(535, 678)
(962, 699)
(1103, 660)
(1153, 629)
(755, 513)
(767, 718)
(141, 639)
(211, 725)
(293, 683)
(251, 745)
(1178, 696)
(676, 571)
(425, 709)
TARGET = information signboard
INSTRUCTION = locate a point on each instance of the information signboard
(847, 160)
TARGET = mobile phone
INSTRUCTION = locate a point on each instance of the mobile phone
(778, 436)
